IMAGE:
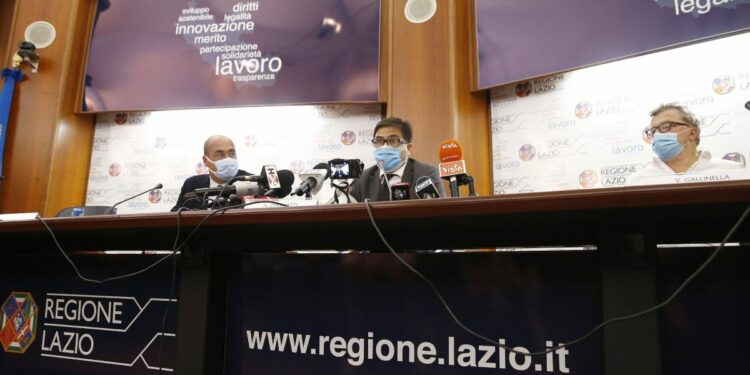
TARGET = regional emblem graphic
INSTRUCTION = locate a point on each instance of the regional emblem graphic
(19, 322)
(583, 110)
(723, 85)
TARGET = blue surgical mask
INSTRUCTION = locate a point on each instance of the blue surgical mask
(226, 168)
(390, 157)
(666, 146)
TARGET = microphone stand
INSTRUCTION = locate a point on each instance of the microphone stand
(113, 210)
(454, 187)
(468, 180)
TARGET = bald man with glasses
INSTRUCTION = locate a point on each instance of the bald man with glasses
(675, 135)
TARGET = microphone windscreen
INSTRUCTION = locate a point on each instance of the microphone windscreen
(286, 179)
(450, 150)
(747, 106)
(159, 186)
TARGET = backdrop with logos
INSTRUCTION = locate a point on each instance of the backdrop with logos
(134, 151)
(584, 129)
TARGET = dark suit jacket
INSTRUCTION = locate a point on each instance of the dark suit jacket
(368, 185)
(196, 182)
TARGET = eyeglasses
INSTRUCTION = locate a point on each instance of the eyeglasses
(663, 128)
(393, 141)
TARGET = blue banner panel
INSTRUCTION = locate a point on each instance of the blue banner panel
(8, 77)
(53, 323)
(367, 314)
(705, 329)
(148, 55)
(521, 39)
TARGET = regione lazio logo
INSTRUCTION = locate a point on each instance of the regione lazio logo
(527, 152)
(723, 85)
(523, 89)
(588, 178)
(19, 322)
(583, 110)
(348, 137)
(121, 118)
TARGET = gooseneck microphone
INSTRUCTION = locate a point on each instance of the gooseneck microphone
(113, 209)
(312, 180)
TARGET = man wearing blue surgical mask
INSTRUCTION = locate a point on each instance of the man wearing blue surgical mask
(392, 145)
(220, 157)
(675, 135)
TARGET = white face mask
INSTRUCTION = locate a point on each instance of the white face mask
(226, 168)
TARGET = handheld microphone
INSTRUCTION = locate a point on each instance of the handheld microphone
(425, 188)
(400, 191)
(113, 209)
(239, 188)
(451, 163)
(286, 179)
(244, 188)
(271, 176)
(312, 180)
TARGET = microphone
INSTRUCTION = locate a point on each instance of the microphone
(312, 180)
(747, 106)
(400, 192)
(286, 179)
(270, 177)
(425, 188)
(451, 164)
(113, 209)
(239, 188)
(244, 188)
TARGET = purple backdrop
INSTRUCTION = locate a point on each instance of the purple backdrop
(147, 54)
(520, 39)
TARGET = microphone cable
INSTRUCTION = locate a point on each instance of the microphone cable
(590, 332)
(343, 188)
(171, 289)
(78, 272)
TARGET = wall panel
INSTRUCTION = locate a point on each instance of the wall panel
(430, 68)
(48, 146)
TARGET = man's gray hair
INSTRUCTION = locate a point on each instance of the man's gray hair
(687, 116)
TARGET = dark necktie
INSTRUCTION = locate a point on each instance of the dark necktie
(384, 194)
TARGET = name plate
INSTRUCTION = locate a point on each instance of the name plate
(696, 177)
(272, 203)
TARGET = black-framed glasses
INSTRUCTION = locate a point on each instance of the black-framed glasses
(393, 141)
(663, 127)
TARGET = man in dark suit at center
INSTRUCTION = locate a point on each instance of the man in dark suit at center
(220, 156)
(392, 142)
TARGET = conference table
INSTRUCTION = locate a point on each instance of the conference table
(619, 231)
